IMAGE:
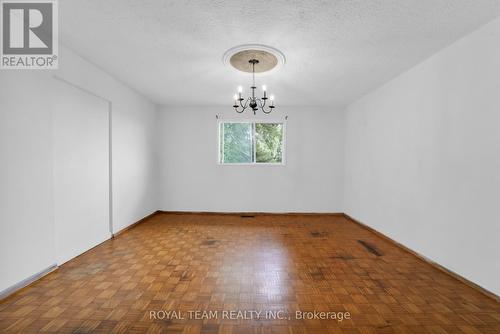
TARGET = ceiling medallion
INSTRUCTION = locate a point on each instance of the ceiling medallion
(254, 59)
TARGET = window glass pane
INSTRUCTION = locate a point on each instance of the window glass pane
(269, 142)
(237, 143)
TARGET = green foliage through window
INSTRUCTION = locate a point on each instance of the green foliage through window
(251, 142)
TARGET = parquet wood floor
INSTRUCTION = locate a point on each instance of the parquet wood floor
(182, 263)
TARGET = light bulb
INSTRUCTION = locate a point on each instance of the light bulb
(240, 89)
(264, 88)
(235, 97)
(271, 97)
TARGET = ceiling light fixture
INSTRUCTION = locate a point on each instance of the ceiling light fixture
(257, 59)
(252, 101)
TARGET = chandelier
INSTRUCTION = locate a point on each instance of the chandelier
(253, 102)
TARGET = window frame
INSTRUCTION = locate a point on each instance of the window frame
(254, 151)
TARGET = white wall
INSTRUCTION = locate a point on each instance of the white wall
(423, 158)
(26, 198)
(26, 165)
(80, 128)
(133, 139)
(191, 179)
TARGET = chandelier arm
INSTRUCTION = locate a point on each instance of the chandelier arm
(262, 102)
(246, 103)
(262, 106)
(269, 110)
(239, 111)
(242, 106)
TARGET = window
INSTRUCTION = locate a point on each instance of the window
(251, 142)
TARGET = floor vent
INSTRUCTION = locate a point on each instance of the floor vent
(316, 234)
(369, 247)
(247, 216)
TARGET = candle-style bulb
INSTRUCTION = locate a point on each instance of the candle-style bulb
(264, 88)
(235, 97)
(240, 89)
(271, 97)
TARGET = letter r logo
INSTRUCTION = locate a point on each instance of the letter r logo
(27, 28)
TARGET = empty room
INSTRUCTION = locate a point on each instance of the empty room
(288, 166)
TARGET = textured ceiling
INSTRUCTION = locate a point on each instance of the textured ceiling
(336, 50)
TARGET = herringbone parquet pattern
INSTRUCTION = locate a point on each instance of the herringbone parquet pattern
(183, 263)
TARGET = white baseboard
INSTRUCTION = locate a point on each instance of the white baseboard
(25, 282)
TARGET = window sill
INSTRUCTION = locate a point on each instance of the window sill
(253, 164)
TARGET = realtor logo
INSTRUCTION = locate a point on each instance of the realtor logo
(29, 37)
